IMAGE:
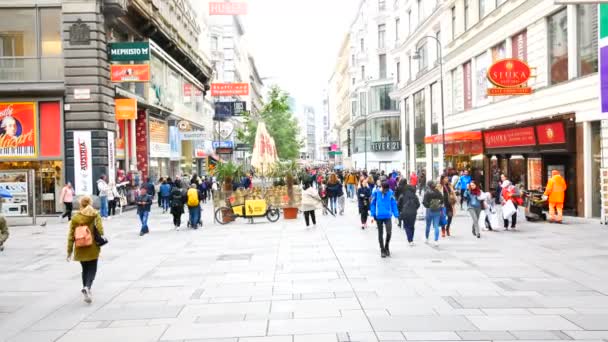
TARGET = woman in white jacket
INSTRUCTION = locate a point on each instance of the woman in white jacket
(310, 202)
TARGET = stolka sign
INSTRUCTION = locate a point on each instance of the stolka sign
(510, 76)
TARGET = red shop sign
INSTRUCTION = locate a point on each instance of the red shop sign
(510, 137)
(476, 147)
(510, 77)
(229, 89)
(551, 133)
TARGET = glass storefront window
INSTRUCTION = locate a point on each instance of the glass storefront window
(558, 46)
(359, 139)
(419, 113)
(435, 107)
(363, 103)
(18, 33)
(385, 129)
(380, 99)
(596, 163)
(587, 39)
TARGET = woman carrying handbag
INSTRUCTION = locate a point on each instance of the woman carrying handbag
(85, 239)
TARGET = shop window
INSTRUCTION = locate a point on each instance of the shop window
(482, 63)
(385, 129)
(558, 46)
(466, 14)
(382, 66)
(380, 99)
(519, 44)
(362, 103)
(381, 36)
(435, 107)
(467, 86)
(30, 44)
(587, 39)
(419, 112)
(359, 138)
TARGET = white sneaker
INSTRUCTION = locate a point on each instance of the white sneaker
(412, 244)
(436, 244)
(426, 241)
(87, 295)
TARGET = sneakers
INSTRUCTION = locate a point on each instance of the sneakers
(479, 236)
(412, 244)
(1, 248)
(436, 244)
(383, 253)
(426, 241)
(87, 295)
(387, 252)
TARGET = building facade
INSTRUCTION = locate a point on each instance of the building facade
(375, 127)
(55, 74)
(338, 104)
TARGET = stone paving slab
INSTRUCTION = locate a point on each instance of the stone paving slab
(282, 282)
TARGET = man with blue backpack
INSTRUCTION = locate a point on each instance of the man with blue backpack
(382, 208)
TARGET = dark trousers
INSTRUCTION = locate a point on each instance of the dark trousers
(408, 224)
(388, 224)
(309, 214)
(449, 222)
(177, 216)
(89, 270)
(112, 207)
(364, 214)
(513, 218)
(68, 210)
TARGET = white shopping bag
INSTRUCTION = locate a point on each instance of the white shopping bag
(508, 209)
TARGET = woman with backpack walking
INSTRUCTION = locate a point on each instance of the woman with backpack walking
(334, 189)
(364, 193)
(408, 204)
(177, 204)
(194, 207)
(82, 244)
(433, 202)
(471, 196)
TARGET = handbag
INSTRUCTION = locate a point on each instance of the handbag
(100, 240)
(443, 219)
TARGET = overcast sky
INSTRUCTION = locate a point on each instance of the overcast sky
(296, 42)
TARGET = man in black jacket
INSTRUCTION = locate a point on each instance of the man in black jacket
(408, 204)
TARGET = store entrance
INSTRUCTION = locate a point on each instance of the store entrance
(47, 183)
(565, 164)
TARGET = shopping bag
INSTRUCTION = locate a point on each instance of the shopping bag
(508, 209)
(443, 218)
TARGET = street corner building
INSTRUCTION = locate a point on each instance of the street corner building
(92, 87)
(492, 86)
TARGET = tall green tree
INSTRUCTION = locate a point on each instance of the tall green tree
(280, 122)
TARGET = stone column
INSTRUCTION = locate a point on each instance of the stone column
(86, 67)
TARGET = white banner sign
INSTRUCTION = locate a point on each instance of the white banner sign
(158, 150)
(194, 135)
(83, 165)
(111, 158)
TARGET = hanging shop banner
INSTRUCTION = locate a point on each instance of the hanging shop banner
(603, 56)
(125, 109)
(141, 133)
(175, 144)
(83, 164)
(519, 45)
(227, 8)
(510, 77)
(120, 141)
(111, 158)
(187, 92)
(159, 139)
(535, 173)
(510, 138)
(18, 138)
(551, 133)
(130, 72)
(15, 183)
(158, 150)
(229, 89)
(129, 51)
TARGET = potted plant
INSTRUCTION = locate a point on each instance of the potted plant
(226, 173)
(288, 171)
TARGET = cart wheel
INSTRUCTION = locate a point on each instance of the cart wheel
(220, 216)
(273, 215)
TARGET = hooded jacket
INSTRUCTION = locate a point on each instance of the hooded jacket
(383, 205)
(91, 218)
(408, 204)
(556, 188)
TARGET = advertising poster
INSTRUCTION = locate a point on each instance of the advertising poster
(15, 182)
(18, 130)
(111, 158)
(175, 143)
(130, 72)
(141, 136)
(535, 173)
(83, 164)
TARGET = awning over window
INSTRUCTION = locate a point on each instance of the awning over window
(453, 137)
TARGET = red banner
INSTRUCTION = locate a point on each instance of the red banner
(50, 135)
(141, 132)
(130, 72)
(18, 130)
(551, 133)
(519, 47)
(229, 89)
(510, 138)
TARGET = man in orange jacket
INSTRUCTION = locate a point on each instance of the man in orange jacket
(555, 192)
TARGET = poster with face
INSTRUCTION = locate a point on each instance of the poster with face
(18, 130)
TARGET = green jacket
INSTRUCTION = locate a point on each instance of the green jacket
(3, 230)
(90, 217)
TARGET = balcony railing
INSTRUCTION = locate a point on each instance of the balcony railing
(27, 69)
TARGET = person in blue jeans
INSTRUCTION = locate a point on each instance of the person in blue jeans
(102, 191)
(165, 193)
(144, 205)
(471, 195)
(382, 208)
(463, 185)
(433, 202)
(334, 190)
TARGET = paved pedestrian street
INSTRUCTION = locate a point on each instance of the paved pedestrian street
(284, 283)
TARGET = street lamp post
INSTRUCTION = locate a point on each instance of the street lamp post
(417, 56)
